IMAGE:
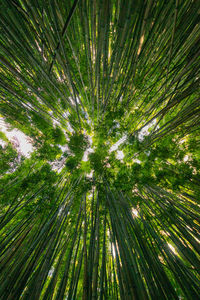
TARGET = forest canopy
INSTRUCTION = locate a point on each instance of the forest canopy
(107, 204)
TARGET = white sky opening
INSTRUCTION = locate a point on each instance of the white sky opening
(137, 161)
(69, 127)
(117, 144)
(135, 212)
(2, 143)
(64, 148)
(145, 131)
(120, 155)
(21, 142)
(90, 175)
(86, 153)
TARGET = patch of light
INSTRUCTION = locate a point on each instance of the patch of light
(67, 113)
(137, 161)
(145, 130)
(120, 155)
(90, 139)
(172, 248)
(117, 144)
(57, 166)
(116, 125)
(61, 210)
(113, 250)
(135, 212)
(186, 157)
(20, 141)
(69, 127)
(89, 136)
(71, 100)
(147, 152)
(164, 233)
(90, 196)
(64, 148)
(51, 271)
(55, 122)
(77, 100)
(2, 143)
(161, 259)
(85, 155)
(197, 239)
(182, 141)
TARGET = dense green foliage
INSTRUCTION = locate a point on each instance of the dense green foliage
(107, 206)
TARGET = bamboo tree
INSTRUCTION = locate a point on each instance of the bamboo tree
(102, 76)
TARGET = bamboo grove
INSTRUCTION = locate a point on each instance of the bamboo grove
(88, 78)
